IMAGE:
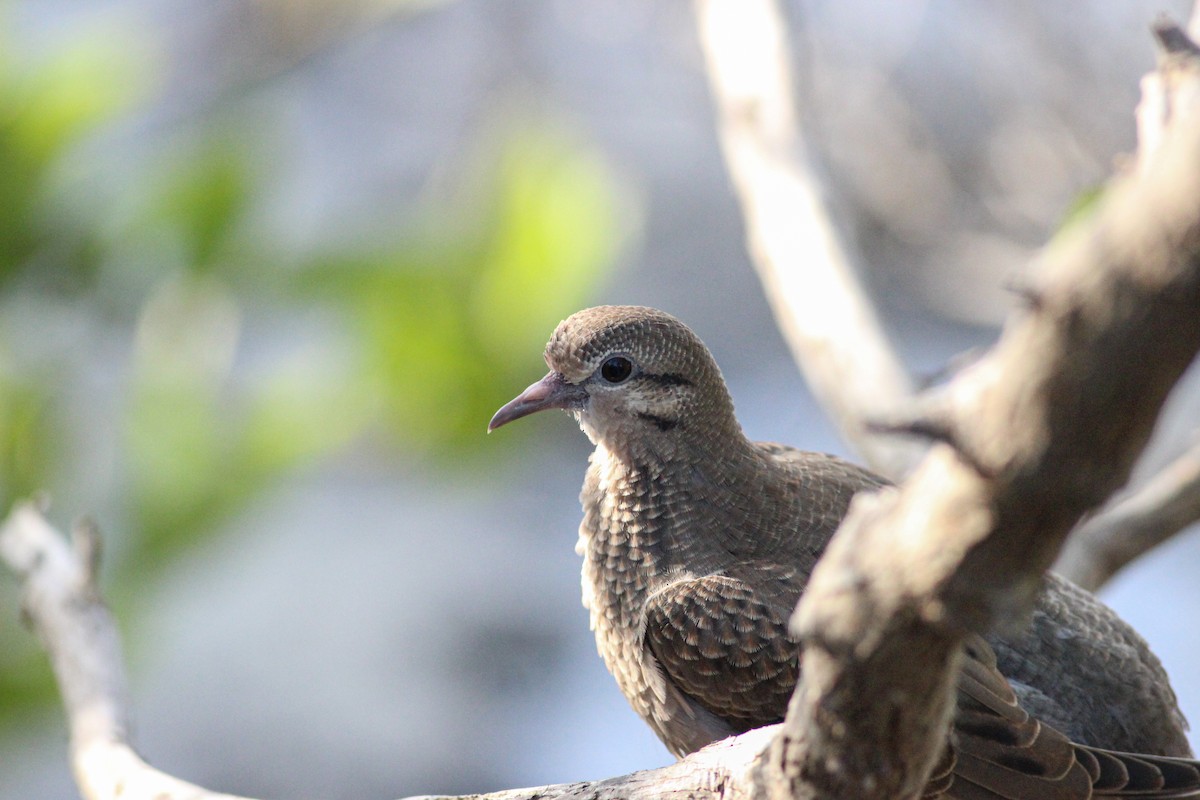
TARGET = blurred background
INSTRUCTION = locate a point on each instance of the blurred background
(268, 267)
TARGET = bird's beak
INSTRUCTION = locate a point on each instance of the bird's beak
(552, 391)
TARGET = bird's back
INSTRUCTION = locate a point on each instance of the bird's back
(1079, 667)
(1074, 663)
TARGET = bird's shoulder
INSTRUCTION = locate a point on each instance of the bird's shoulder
(806, 497)
(810, 467)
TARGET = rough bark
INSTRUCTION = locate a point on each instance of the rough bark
(1169, 501)
(810, 270)
(1033, 436)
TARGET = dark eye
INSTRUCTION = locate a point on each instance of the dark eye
(616, 369)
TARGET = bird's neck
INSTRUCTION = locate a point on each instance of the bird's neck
(645, 510)
(636, 445)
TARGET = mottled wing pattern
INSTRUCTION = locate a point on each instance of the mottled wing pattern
(725, 646)
(1080, 647)
(1003, 752)
(721, 640)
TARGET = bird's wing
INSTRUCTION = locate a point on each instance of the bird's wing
(1002, 752)
(724, 644)
(722, 641)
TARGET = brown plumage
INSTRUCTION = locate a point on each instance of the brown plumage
(697, 544)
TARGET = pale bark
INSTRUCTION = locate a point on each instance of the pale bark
(1113, 322)
(806, 266)
(62, 603)
(1169, 501)
(811, 272)
(1111, 325)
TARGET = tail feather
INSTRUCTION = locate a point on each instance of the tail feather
(1127, 775)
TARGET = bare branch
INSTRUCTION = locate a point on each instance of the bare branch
(959, 547)
(1170, 501)
(805, 267)
(1168, 89)
(1136, 522)
(721, 771)
(63, 606)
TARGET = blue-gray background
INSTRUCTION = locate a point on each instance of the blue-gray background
(266, 268)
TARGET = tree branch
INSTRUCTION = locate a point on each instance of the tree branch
(808, 270)
(1136, 522)
(1043, 429)
(1170, 501)
(62, 604)
(1046, 427)
(805, 266)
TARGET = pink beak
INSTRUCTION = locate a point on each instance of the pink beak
(552, 391)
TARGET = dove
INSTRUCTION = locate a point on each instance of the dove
(697, 544)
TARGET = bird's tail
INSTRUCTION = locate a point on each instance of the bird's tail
(1128, 775)
(1095, 773)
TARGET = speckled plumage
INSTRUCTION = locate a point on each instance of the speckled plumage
(697, 544)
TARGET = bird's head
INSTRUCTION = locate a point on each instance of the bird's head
(637, 379)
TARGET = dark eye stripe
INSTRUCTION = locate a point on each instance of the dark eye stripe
(662, 423)
(666, 379)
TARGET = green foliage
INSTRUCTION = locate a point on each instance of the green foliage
(163, 272)
(203, 199)
(26, 683)
(55, 104)
(46, 110)
(29, 442)
(450, 321)
(202, 445)
(442, 325)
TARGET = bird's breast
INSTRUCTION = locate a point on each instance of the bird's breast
(626, 540)
(644, 525)
(621, 539)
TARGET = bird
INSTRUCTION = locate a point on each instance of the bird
(697, 544)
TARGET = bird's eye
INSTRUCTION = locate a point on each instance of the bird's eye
(616, 369)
